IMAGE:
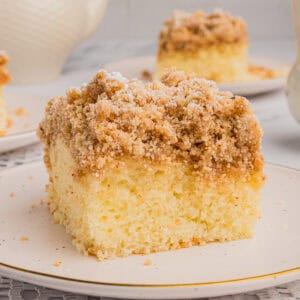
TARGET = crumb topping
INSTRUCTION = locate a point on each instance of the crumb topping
(148, 262)
(146, 75)
(21, 112)
(189, 31)
(181, 118)
(9, 122)
(261, 72)
(4, 75)
(57, 263)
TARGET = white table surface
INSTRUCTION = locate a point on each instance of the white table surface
(281, 145)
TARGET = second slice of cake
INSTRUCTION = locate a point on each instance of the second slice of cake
(213, 46)
(137, 168)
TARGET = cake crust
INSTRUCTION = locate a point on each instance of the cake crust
(188, 31)
(181, 118)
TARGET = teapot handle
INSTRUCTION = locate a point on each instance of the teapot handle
(95, 12)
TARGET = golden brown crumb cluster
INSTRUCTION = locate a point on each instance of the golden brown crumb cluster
(189, 31)
(260, 72)
(181, 118)
(4, 76)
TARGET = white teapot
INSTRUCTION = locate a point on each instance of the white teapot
(293, 83)
(38, 35)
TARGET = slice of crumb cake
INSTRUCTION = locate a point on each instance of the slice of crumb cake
(4, 78)
(213, 45)
(143, 167)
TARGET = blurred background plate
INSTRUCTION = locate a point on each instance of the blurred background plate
(136, 67)
(26, 104)
(25, 110)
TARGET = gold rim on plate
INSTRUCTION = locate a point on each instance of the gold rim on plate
(210, 283)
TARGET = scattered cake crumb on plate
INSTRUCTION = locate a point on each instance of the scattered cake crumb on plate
(4, 78)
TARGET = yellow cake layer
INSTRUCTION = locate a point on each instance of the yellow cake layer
(143, 207)
(218, 62)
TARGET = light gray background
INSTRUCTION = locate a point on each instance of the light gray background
(141, 19)
(135, 25)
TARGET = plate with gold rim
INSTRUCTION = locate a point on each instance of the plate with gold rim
(143, 68)
(35, 250)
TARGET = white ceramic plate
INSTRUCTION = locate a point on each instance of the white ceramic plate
(33, 98)
(271, 258)
(22, 132)
(133, 68)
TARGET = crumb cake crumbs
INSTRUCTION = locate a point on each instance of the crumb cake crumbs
(146, 75)
(9, 122)
(57, 263)
(4, 78)
(148, 262)
(181, 118)
(261, 72)
(21, 112)
(4, 75)
(189, 31)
